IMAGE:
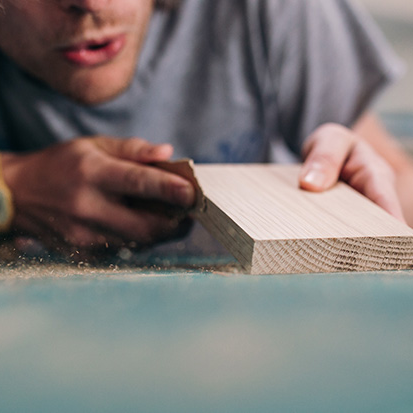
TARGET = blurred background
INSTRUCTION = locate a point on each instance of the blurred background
(395, 18)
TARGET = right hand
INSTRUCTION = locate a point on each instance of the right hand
(73, 194)
(334, 152)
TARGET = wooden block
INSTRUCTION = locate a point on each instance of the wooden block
(271, 226)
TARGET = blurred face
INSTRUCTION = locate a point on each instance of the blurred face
(85, 49)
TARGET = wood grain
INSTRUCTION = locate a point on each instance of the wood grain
(271, 226)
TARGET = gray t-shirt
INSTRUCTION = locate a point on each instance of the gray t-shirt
(222, 80)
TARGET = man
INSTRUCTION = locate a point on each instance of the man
(216, 80)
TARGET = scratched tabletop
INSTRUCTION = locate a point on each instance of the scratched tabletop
(201, 339)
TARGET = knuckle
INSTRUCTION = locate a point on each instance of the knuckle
(83, 147)
(83, 161)
(324, 160)
(88, 166)
(136, 142)
(82, 205)
(133, 147)
(134, 180)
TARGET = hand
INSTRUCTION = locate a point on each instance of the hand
(334, 152)
(79, 193)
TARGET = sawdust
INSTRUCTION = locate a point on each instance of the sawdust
(36, 267)
(38, 270)
(126, 262)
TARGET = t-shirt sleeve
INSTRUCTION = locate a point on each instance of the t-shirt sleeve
(327, 62)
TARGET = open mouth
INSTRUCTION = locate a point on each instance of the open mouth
(94, 53)
(98, 46)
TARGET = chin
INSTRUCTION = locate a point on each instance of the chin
(94, 86)
(95, 92)
(94, 96)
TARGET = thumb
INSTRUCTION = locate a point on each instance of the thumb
(325, 153)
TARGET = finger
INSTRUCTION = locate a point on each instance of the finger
(384, 194)
(369, 174)
(143, 226)
(95, 214)
(86, 236)
(325, 153)
(142, 181)
(108, 225)
(143, 229)
(135, 149)
(95, 220)
(58, 232)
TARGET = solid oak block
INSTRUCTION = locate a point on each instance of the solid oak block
(271, 226)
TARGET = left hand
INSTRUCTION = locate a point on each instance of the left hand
(334, 152)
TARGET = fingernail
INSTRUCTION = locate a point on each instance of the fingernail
(162, 150)
(155, 152)
(315, 178)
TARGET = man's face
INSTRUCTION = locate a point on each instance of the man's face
(85, 49)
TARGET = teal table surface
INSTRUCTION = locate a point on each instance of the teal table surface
(171, 341)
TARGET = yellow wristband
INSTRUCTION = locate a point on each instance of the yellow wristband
(6, 204)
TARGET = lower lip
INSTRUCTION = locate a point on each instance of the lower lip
(87, 56)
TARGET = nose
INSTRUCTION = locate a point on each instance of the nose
(85, 6)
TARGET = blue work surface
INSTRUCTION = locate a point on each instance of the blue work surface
(205, 342)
